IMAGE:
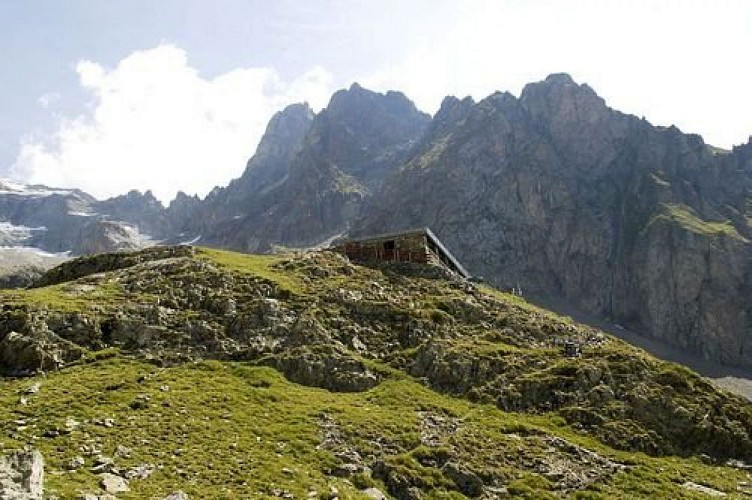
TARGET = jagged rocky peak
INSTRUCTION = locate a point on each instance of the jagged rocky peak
(389, 117)
(182, 199)
(578, 122)
(313, 188)
(559, 97)
(556, 81)
(451, 112)
(744, 152)
(140, 210)
(136, 196)
(363, 133)
(451, 104)
(285, 131)
(556, 89)
(560, 79)
(183, 209)
(282, 140)
(500, 106)
(134, 201)
(357, 97)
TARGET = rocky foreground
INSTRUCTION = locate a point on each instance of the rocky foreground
(178, 372)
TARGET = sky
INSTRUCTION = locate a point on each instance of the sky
(169, 95)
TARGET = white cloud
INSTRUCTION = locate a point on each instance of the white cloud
(675, 62)
(48, 99)
(155, 123)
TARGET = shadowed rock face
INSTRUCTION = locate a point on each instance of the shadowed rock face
(561, 195)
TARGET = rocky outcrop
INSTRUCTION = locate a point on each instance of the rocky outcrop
(324, 322)
(19, 276)
(28, 346)
(86, 266)
(22, 475)
(325, 367)
(24, 355)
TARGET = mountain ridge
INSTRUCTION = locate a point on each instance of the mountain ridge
(558, 193)
(553, 192)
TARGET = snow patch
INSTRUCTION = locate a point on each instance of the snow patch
(10, 233)
(14, 188)
(193, 241)
(326, 243)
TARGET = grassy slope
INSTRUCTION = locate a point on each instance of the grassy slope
(229, 430)
(232, 430)
(688, 219)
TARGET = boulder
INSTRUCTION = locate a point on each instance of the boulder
(22, 475)
(374, 493)
(23, 355)
(465, 481)
(177, 495)
(325, 367)
(112, 483)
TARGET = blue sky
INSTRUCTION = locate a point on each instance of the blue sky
(42, 41)
(166, 95)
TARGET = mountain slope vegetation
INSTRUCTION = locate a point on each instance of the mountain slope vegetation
(231, 375)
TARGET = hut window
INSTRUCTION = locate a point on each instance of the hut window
(389, 245)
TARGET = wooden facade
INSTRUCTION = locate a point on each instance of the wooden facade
(418, 245)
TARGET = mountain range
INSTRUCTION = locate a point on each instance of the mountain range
(552, 192)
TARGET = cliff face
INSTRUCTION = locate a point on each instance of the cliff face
(560, 195)
(311, 174)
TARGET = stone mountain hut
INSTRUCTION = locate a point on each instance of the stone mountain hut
(414, 245)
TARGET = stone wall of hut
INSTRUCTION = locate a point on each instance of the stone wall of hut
(398, 248)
